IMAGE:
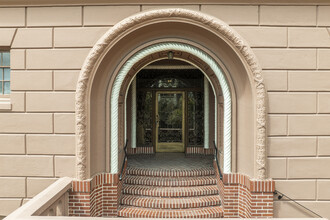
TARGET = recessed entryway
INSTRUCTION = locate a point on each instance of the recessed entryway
(170, 113)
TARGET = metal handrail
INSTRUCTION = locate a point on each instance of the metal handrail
(125, 158)
(281, 195)
(216, 159)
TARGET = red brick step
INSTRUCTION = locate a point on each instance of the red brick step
(170, 172)
(137, 212)
(170, 191)
(171, 181)
(170, 203)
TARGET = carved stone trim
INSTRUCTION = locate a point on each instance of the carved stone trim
(208, 22)
(133, 114)
(206, 114)
(181, 48)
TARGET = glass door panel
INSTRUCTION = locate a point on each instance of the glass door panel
(170, 121)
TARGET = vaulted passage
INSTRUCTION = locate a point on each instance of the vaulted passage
(171, 117)
(171, 108)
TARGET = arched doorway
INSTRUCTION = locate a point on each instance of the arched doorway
(190, 54)
(97, 118)
(167, 107)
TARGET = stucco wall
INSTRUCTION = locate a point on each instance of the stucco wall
(49, 44)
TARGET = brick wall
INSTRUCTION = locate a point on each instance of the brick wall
(80, 202)
(291, 42)
(243, 197)
(189, 150)
(97, 197)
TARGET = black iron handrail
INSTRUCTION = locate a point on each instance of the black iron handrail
(281, 195)
(216, 159)
(125, 158)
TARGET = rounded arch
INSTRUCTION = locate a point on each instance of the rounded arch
(138, 21)
(136, 58)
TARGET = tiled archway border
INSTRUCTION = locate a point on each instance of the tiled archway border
(208, 22)
(175, 47)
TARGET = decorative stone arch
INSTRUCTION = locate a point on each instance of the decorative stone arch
(189, 58)
(194, 56)
(133, 23)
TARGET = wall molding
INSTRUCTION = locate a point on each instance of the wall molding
(210, 23)
(151, 2)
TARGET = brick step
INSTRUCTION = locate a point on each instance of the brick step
(171, 181)
(137, 212)
(170, 203)
(170, 173)
(170, 191)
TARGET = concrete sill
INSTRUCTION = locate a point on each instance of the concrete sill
(5, 104)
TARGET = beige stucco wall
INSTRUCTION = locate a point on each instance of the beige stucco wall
(48, 47)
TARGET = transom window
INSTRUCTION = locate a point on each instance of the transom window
(4, 73)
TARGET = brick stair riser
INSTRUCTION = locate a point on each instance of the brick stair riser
(150, 193)
(213, 212)
(163, 192)
(170, 215)
(170, 173)
(177, 182)
(181, 203)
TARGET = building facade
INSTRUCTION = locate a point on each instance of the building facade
(82, 79)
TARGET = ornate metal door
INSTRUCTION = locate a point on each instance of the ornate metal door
(170, 121)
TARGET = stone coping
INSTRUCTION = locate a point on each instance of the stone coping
(115, 218)
(46, 198)
(42, 201)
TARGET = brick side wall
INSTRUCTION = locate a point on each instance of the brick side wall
(243, 197)
(80, 202)
(140, 150)
(189, 150)
(97, 197)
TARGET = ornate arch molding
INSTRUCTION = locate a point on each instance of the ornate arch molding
(179, 55)
(146, 53)
(208, 22)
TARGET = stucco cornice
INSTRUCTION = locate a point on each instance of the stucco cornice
(152, 2)
(208, 22)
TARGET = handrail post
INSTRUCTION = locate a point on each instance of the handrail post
(125, 158)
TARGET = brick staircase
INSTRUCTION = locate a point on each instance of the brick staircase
(150, 193)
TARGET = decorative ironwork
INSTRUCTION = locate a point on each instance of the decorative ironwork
(170, 130)
(170, 78)
(195, 118)
(144, 119)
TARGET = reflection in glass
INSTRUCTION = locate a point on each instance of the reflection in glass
(5, 59)
(6, 74)
(6, 87)
(169, 117)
